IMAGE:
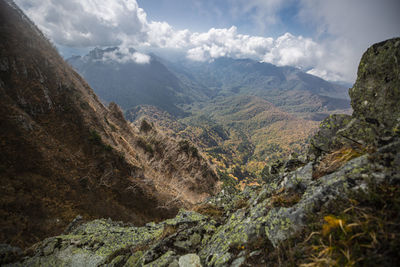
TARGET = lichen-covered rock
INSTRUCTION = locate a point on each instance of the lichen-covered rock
(272, 215)
(375, 99)
(323, 140)
(375, 96)
(189, 260)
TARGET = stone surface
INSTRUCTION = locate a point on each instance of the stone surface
(323, 140)
(375, 96)
(189, 260)
(273, 213)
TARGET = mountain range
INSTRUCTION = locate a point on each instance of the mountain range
(234, 109)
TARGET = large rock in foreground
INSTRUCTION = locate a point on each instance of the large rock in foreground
(375, 97)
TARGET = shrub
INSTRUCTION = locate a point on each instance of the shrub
(145, 126)
(145, 146)
(188, 148)
(95, 139)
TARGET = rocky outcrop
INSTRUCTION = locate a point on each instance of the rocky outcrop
(375, 99)
(250, 224)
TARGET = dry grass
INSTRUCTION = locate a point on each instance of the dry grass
(361, 231)
(241, 203)
(209, 210)
(333, 161)
(366, 233)
(284, 198)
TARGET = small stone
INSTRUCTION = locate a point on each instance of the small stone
(189, 260)
(175, 263)
(238, 262)
(255, 253)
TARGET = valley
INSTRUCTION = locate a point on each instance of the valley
(243, 114)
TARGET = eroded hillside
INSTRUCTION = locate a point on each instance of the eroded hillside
(64, 153)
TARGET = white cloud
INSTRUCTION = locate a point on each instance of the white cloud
(351, 27)
(79, 23)
(227, 43)
(294, 51)
(343, 29)
(324, 74)
(123, 55)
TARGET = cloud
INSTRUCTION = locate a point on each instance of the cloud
(79, 23)
(347, 28)
(262, 13)
(344, 29)
(226, 43)
(123, 55)
(294, 51)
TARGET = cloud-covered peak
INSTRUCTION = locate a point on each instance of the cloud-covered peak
(126, 57)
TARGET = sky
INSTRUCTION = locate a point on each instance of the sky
(322, 37)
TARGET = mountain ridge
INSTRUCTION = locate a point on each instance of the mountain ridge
(64, 153)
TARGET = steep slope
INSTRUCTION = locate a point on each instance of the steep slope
(116, 77)
(64, 153)
(348, 216)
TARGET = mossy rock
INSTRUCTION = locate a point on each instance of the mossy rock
(375, 97)
(323, 140)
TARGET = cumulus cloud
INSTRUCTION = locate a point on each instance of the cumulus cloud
(88, 23)
(343, 29)
(226, 43)
(294, 51)
(351, 26)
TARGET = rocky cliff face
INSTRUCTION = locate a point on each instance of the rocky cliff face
(346, 214)
(64, 153)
